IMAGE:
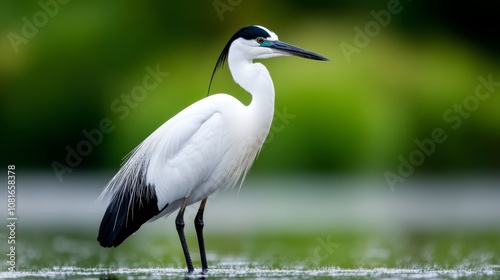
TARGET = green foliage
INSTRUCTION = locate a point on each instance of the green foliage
(349, 117)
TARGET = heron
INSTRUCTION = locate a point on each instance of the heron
(210, 144)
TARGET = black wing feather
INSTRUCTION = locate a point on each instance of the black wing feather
(128, 210)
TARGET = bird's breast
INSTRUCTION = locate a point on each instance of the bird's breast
(249, 134)
(243, 141)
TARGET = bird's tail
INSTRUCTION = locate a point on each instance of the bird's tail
(127, 211)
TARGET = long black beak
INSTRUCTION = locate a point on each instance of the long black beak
(292, 50)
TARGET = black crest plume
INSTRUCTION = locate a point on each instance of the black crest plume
(249, 33)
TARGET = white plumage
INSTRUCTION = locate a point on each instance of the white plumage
(197, 151)
(208, 145)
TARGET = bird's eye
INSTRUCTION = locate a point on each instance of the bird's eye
(260, 40)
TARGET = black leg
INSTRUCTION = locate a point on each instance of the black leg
(198, 224)
(179, 224)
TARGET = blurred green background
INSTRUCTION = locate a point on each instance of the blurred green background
(355, 114)
(67, 67)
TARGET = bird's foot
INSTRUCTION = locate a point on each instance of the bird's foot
(190, 274)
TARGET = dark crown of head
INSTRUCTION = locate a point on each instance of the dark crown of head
(248, 32)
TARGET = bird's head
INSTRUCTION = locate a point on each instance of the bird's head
(258, 42)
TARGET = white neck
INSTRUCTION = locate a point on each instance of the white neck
(255, 79)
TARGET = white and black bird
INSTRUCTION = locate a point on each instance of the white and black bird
(210, 144)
